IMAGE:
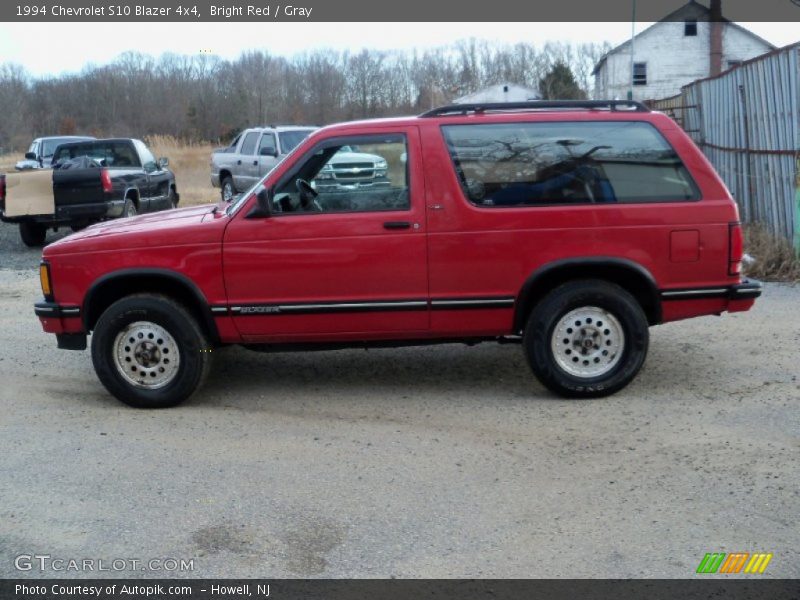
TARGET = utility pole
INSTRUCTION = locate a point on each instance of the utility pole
(633, 43)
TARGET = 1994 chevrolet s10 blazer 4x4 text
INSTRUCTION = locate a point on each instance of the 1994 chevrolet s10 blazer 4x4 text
(570, 227)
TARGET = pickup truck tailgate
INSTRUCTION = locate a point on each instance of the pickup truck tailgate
(77, 186)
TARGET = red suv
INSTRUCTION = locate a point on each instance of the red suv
(570, 227)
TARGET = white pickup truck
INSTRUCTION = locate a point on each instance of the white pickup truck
(251, 155)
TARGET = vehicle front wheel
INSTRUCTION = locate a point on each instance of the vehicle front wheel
(172, 198)
(586, 339)
(149, 351)
(227, 190)
(33, 234)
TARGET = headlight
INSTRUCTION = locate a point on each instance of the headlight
(381, 164)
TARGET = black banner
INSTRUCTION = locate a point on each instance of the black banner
(186, 11)
(398, 589)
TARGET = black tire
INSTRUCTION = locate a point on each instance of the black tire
(227, 191)
(585, 341)
(189, 343)
(33, 234)
(129, 210)
(172, 198)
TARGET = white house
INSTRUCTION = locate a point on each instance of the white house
(502, 92)
(686, 45)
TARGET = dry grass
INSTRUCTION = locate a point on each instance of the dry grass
(7, 162)
(191, 164)
(774, 257)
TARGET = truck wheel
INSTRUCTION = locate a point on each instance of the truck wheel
(172, 199)
(129, 210)
(149, 352)
(586, 339)
(227, 190)
(33, 234)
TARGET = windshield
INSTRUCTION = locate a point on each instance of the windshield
(49, 146)
(290, 139)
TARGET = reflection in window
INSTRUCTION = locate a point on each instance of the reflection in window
(362, 175)
(553, 163)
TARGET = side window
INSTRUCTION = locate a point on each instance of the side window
(529, 164)
(640, 73)
(249, 144)
(266, 147)
(148, 160)
(335, 177)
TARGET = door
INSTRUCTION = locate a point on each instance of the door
(245, 171)
(153, 185)
(267, 155)
(346, 263)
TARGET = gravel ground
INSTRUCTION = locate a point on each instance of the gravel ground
(16, 255)
(436, 462)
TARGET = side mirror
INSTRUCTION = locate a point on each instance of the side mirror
(163, 162)
(31, 156)
(262, 208)
(268, 151)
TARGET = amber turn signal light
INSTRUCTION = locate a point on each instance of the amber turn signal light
(44, 278)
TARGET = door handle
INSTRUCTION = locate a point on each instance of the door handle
(238, 162)
(255, 163)
(397, 225)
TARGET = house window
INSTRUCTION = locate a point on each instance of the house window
(690, 27)
(639, 73)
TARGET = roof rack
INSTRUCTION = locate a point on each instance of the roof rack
(463, 109)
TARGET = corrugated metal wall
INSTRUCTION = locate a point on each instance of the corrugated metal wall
(747, 122)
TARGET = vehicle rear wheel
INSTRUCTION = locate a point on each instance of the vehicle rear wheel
(149, 352)
(227, 190)
(129, 209)
(586, 339)
(33, 234)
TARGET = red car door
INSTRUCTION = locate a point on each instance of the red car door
(342, 255)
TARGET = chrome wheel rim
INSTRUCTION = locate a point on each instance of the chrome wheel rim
(146, 355)
(130, 211)
(587, 342)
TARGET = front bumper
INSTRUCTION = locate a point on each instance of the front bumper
(64, 321)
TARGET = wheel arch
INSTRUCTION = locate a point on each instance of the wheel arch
(223, 174)
(132, 193)
(628, 274)
(111, 287)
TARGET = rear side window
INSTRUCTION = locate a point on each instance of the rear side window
(249, 144)
(529, 164)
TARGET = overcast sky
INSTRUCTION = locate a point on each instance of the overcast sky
(37, 47)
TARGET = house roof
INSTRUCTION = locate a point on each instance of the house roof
(690, 10)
